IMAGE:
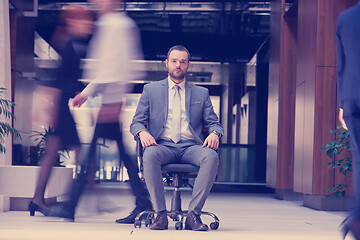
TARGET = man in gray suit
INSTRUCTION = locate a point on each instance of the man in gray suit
(169, 121)
(348, 79)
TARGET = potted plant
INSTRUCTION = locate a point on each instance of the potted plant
(5, 128)
(339, 147)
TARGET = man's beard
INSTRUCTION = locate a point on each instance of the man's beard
(178, 77)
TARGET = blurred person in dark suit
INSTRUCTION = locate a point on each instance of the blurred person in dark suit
(348, 80)
(113, 48)
(71, 43)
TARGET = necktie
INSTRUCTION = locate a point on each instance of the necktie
(176, 109)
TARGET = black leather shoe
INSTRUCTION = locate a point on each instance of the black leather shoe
(193, 222)
(161, 222)
(131, 218)
(33, 207)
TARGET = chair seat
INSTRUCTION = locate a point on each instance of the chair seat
(180, 167)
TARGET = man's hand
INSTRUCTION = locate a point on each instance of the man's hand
(212, 141)
(146, 139)
(341, 119)
(78, 100)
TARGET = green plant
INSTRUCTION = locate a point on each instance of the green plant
(39, 150)
(5, 128)
(341, 145)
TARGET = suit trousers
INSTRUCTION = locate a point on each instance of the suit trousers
(352, 119)
(185, 151)
(111, 131)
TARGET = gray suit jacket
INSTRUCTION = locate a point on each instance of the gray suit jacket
(153, 110)
(348, 54)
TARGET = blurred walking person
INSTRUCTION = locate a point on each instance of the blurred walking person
(114, 46)
(71, 44)
(348, 79)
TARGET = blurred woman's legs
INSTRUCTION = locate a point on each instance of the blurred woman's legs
(53, 144)
(64, 137)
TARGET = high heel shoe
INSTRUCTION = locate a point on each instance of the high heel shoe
(352, 225)
(33, 207)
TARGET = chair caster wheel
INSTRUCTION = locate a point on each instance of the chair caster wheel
(214, 225)
(178, 226)
(148, 222)
(137, 223)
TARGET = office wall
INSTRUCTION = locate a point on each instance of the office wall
(316, 100)
(302, 94)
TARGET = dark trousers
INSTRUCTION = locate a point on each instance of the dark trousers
(352, 119)
(110, 131)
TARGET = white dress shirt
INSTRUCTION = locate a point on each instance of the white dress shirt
(113, 47)
(185, 131)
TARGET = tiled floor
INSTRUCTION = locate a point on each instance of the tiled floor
(242, 216)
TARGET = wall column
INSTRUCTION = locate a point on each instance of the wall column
(281, 101)
(5, 70)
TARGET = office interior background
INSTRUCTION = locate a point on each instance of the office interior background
(270, 67)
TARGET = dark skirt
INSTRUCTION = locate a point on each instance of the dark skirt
(66, 128)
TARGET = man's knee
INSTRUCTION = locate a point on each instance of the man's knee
(211, 157)
(151, 154)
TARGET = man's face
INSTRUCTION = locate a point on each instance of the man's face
(177, 65)
(80, 27)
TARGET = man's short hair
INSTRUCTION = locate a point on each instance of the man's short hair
(179, 48)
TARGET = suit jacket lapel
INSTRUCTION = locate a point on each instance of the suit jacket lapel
(187, 99)
(187, 108)
(165, 97)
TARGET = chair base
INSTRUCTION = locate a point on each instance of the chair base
(177, 216)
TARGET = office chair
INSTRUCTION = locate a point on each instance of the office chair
(178, 173)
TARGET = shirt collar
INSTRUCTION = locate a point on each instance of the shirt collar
(172, 84)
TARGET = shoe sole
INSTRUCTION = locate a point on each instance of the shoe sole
(156, 228)
(197, 229)
(120, 222)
